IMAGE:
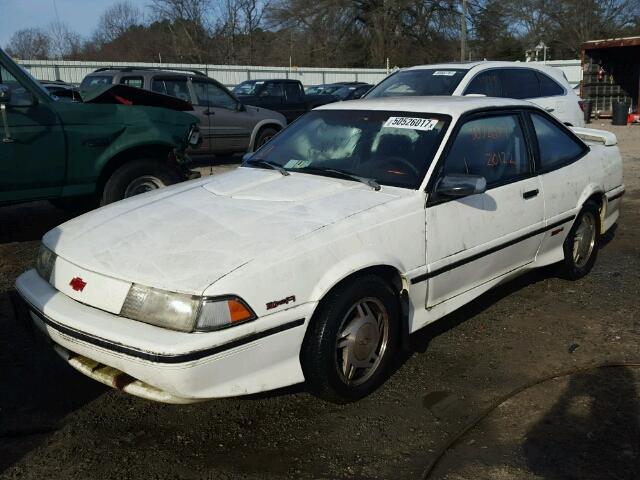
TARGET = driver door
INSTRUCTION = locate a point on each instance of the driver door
(32, 152)
(230, 126)
(475, 239)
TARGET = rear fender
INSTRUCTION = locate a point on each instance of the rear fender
(267, 122)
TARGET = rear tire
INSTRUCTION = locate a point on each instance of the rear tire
(138, 176)
(351, 340)
(264, 135)
(581, 245)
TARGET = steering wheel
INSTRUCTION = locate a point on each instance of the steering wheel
(402, 161)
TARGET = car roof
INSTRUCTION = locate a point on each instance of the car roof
(454, 106)
(144, 70)
(273, 80)
(548, 69)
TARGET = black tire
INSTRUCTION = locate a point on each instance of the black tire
(323, 366)
(264, 135)
(125, 179)
(569, 268)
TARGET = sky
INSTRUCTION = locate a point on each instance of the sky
(81, 15)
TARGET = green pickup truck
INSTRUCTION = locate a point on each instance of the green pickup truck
(102, 150)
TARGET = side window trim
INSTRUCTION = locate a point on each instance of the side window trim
(536, 146)
(217, 85)
(438, 169)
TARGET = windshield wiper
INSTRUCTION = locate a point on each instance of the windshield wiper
(266, 163)
(343, 174)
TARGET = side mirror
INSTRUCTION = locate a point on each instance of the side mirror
(240, 107)
(460, 185)
(5, 94)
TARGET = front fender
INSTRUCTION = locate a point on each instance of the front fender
(346, 267)
(97, 133)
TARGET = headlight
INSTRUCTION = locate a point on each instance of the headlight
(185, 313)
(45, 262)
(158, 307)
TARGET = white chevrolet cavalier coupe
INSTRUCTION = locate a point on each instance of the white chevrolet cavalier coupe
(359, 224)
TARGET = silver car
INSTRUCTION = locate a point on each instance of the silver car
(226, 124)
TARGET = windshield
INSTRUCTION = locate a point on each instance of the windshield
(329, 89)
(426, 82)
(344, 92)
(392, 148)
(247, 88)
(314, 90)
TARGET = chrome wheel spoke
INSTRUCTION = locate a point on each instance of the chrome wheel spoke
(361, 341)
(584, 240)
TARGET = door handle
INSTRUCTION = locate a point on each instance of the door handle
(530, 194)
(549, 109)
(209, 112)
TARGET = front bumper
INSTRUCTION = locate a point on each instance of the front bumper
(175, 367)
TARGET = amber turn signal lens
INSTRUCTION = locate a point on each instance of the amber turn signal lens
(238, 311)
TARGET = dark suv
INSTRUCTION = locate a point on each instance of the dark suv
(227, 125)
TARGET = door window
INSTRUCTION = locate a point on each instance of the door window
(549, 88)
(486, 83)
(272, 89)
(209, 94)
(176, 87)
(293, 92)
(519, 83)
(493, 147)
(20, 96)
(557, 148)
(132, 81)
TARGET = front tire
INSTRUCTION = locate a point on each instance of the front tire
(351, 340)
(135, 177)
(581, 245)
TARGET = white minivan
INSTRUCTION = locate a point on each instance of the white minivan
(541, 84)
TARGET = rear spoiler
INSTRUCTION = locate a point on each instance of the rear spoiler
(592, 135)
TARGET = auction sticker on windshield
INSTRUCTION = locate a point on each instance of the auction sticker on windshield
(446, 73)
(412, 123)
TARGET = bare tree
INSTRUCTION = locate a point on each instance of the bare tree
(252, 13)
(188, 22)
(229, 29)
(29, 43)
(64, 42)
(116, 20)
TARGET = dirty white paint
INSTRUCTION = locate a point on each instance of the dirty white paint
(264, 237)
(565, 107)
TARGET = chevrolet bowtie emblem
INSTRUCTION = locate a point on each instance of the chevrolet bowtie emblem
(77, 284)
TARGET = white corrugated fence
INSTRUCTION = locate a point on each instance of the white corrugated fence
(231, 75)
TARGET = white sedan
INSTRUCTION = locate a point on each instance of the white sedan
(359, 224)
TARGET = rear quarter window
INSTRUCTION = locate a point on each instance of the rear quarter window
(520, 83)
(556, 147)
(548, 87)
(96, 80)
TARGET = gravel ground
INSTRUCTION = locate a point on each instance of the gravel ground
(55, 423)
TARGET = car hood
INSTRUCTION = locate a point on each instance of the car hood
(184, 238)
